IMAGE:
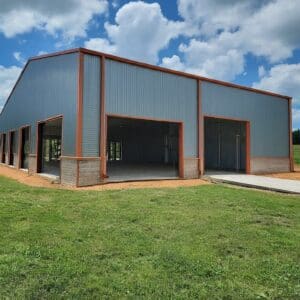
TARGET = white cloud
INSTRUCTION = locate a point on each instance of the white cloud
(8, 77)
(228, 30)
(102, 45)
(69, 17)
(209, 16)
(261, 71)
(18, 57)
(213, 59)
(173, 62)
(141, 31)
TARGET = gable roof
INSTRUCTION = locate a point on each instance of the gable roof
(143, 65)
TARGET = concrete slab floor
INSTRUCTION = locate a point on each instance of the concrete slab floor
(258, 182)
(118, 172)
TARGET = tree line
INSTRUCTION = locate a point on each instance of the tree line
(296, 137)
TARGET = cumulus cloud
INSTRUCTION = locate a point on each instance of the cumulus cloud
(226, 31)
(69, 17)
(139, 32)
(100, 44)
(173, 62)
(8, 77)
(18, 57)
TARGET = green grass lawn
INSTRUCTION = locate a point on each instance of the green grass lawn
(209, 241)
(297, 154)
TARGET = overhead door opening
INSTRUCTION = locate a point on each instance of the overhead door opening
(12, 148)
(3, 154)
(141, 149)
(49, 147)
(225, 145)
(25, 148)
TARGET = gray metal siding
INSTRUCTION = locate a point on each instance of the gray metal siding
(137, 91)
(91, 106)
(268, 116)
(47, 88)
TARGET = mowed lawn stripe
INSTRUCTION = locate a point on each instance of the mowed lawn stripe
(208, 241)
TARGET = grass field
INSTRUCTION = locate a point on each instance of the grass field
(297, 154)
(202, 242)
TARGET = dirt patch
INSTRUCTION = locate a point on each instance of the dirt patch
(292, 175)
(39, 181)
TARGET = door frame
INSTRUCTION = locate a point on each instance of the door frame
(39, 141)
(248, 149)
(11, 133)
(180, 140)
(21, 143)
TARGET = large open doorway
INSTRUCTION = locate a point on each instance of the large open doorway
(49, 146)
(226, 145)
(3, 148)
(12, 148)
(140, 149)
(25, 147)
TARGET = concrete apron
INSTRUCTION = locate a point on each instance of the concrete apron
(257, 182)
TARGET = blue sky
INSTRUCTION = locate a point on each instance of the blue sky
(250, 42)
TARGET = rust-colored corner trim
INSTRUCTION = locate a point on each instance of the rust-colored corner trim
(103, 121)
(291, 152)
(248, 138)
(143, 65)
(79, 104)
(181, 150)
(180, 135)
(9, 147)
(200, 130)
(248, 148)
(179, 73)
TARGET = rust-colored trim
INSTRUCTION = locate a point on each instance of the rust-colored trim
(180, 73)
(103, 121)
(143, 65)
(225, 118)
(9, 148)
(180, 150)
(180, 136)
(20, 145)
(53, 54)
(200, 130)
(80, 158)
(38, 138)
(291, 150)
(143, 118)
(50, 119)
(271, 157)
(248, 148)
(248, 138)
(79, 104)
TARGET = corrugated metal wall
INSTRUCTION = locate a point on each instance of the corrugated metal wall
(91, 106)
(136, 91)
(268, 116)
(47, 88)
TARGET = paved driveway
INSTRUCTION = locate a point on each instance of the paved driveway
(259, 182)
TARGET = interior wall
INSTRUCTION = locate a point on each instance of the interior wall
(144, 142)
(222, 150)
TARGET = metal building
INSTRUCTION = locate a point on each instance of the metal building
(89, 117)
